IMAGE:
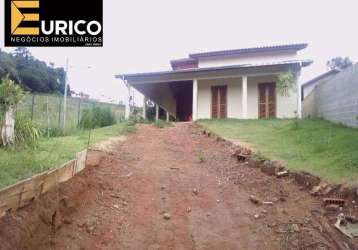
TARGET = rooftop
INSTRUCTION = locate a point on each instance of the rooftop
(293, 47)
(302, 63)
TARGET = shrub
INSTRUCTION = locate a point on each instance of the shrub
(26, 131)
(161, 124)
(285, 83)
(55, 132)
(129, 128)
(96, 117)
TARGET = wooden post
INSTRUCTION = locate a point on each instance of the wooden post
(79, 112)
(32, 107)
(48, 117)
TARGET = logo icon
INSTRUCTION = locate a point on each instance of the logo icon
(17, 17)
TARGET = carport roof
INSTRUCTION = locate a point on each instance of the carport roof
(189, 74)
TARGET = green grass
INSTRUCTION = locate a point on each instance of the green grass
(316, 146)
(17, 164)
(162, 124)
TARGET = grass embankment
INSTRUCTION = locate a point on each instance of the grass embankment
(316, 146)
(17, 164)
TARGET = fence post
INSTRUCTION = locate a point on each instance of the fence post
(59, 113)
(48, 117)
(79, 112)
(32, 107)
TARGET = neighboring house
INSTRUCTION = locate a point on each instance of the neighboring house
(309, 86)
(237, 83)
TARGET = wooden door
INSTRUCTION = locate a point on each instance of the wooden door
(219, 102)
(267, 100)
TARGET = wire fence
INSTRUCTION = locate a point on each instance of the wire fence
(48, 110)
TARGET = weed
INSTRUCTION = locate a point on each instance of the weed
(96, 117)
(202, 158)
(161, 124)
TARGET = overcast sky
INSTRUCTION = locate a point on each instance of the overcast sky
(142, 36)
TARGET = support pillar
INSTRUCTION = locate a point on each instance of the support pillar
(128, 108)
(156, 112)
(168, 116)
(244, 97)
(144, 108)
(299, 96)
(195, 100)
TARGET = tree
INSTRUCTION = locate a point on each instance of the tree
(10, 95)
(8, 67)
(23, 52)
(33, 75)
(37, 76)
(339, 63)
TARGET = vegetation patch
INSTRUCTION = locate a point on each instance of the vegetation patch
(162, 124)
(96, 117)
(24, 162)
(316, 146)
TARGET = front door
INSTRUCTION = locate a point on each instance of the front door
(218, 102)
(267, 100)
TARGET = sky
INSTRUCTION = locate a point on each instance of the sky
(141, 36)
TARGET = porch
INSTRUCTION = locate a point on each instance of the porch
(224, 92)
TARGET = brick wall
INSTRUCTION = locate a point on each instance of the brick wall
(335, 99)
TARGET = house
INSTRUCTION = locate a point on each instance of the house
(239, 83)
(309, 86)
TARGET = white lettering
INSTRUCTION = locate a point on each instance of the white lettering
(96, 32)
(61, 27)
(77, 30)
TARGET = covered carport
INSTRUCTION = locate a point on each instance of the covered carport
(175, 97)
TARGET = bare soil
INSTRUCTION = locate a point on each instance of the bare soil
(172, 188)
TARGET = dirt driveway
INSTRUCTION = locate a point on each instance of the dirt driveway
(171, 188)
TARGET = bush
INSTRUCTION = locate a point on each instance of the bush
(161, 124)
(26, 131)
(96, 117)
(55, 132)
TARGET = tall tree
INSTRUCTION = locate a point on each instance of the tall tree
(8, 66)
(339, 63)
(36, 75)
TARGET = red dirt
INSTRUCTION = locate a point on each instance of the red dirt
(119, 202)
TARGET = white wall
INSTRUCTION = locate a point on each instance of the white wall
(286, 106)
(250, 58)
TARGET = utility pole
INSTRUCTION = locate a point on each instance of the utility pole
(65, 95)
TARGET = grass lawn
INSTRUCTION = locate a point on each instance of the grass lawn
(316, 146)
(18, 164)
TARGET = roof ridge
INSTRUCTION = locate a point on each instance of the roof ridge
(293, 46)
